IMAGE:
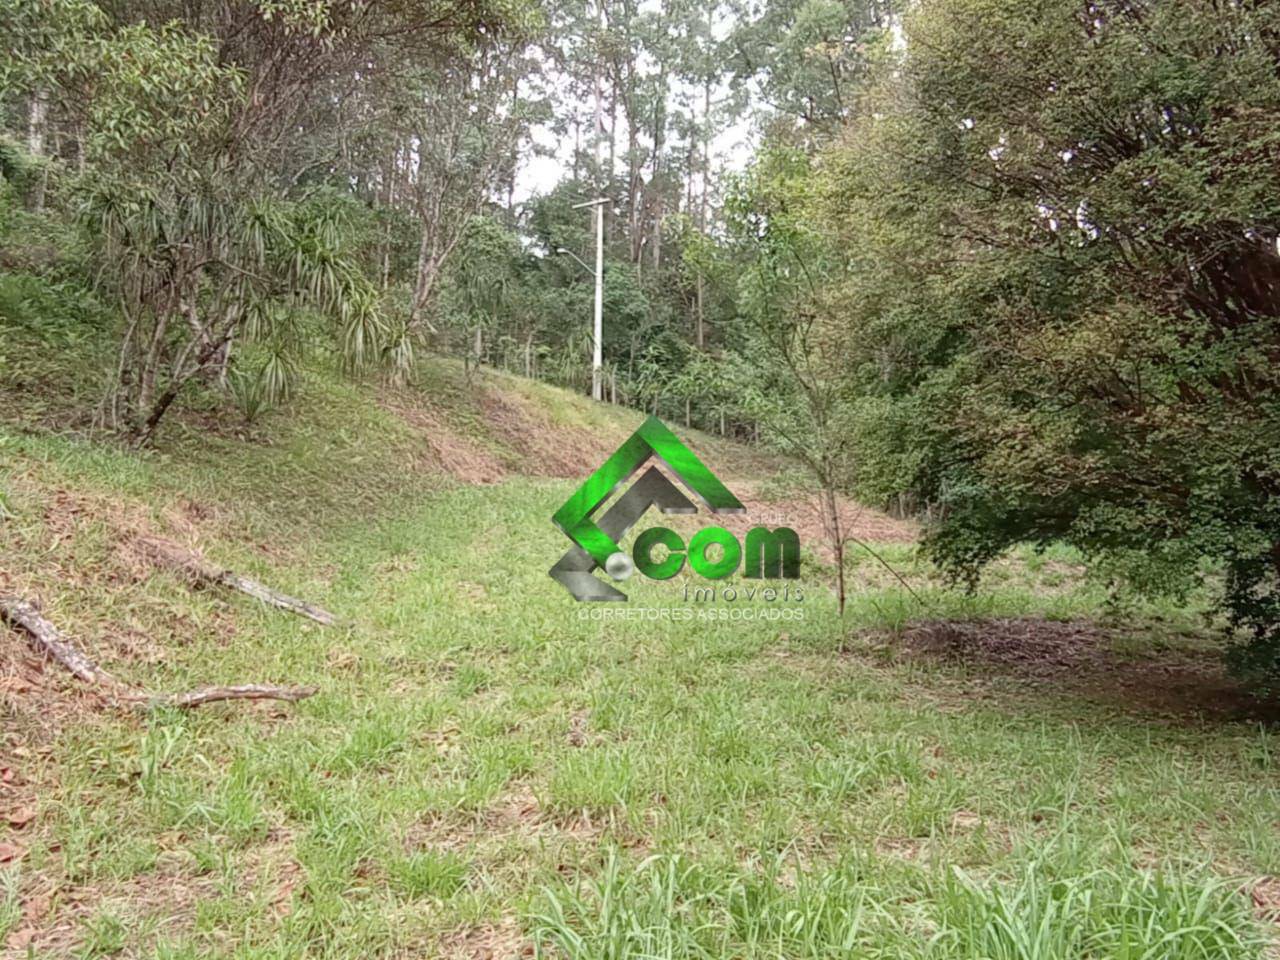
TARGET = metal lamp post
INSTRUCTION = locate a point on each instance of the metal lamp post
(597, 355)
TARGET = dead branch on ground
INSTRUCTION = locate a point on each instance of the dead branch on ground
(45, 638)
(171, 556)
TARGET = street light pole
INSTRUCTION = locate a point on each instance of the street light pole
(597, 350)
(597, 358)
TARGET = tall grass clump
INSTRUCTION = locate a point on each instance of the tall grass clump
(667, 908)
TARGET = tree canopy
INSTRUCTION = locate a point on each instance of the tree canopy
(1060, 309)
(1012, 267)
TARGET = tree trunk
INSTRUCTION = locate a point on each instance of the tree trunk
(655, 184)
(37, 122)
(599, 98)
(425, 281)
(144, 433)
(634, 229)
(148, 364)
(702, 200)
(836, 536)
(701, 334)
(613, 134)
(577, 146)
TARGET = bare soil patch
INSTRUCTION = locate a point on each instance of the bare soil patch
(54, 911)
(545, 448)
(448, 451)
(1265, 894)
(503, 940)
(804, 515)
(517, 813)
(1081, 657)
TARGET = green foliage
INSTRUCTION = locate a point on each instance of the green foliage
(189, 156)
(1060, 304)
(260, 390)
(530, 307)
(811, 55)
(482, 276)
(54, 337)
(784, 373)
(10, 902)
(17, 166)
(157, 91)
(47, 40)
(52, 309)
(255, 268)
(1109, 914)
(428, 873)
(668, 907)
(486, 764)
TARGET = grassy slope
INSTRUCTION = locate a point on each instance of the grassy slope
(488, 767)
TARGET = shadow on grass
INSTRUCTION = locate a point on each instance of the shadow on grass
(1087, 659)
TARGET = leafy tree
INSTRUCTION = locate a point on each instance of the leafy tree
(1061, 307)
(788, 378)
(202, 149)
(459, 129)
(811, 56)
(481, 283)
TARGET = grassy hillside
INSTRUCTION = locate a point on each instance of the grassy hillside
(491, 769)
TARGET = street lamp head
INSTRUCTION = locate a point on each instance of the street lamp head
(575, 258)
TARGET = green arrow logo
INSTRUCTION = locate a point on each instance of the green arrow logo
(595, 546)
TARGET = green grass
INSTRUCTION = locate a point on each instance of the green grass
(10, 902)
(669, 907)
(488, 767)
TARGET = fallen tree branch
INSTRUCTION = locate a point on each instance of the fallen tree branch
(271, 597)
(247, 691)
(44, 636)
(171, 556)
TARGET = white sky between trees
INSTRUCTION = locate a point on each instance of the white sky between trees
(547, 158)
